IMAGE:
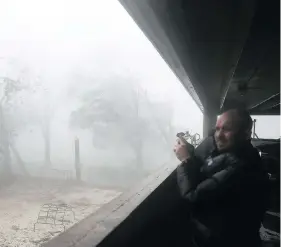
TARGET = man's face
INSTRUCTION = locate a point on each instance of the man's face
(227, 131)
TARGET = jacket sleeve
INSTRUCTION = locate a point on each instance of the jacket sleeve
(195, 188)
(189, 175)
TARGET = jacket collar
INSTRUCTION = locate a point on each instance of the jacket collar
(241, 148)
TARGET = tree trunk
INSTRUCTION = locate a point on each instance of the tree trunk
(19, 159)
(47, 141)
(77, 160)
(137, 147)
(4, 145)
(47, 149)
(7, 169)
(139, 160)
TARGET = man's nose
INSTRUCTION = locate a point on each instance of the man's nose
(219, 133)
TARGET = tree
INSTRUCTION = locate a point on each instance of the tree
(38, 111)
(162, 114)
(9, 103)
(117, 111)
(25, 101)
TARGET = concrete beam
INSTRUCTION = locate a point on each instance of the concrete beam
(209, 122)
(152, 18)
(268, 103)
(247, 11)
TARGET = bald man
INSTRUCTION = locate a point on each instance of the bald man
(226, 189)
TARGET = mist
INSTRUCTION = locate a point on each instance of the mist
(88, 109)
(58, 52)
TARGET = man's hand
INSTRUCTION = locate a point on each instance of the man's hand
(181, 150)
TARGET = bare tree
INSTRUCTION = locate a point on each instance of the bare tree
(8, 102)
(19, 109)
(39, 112)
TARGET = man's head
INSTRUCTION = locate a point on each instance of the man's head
(233, 127)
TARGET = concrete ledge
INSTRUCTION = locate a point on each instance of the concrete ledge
(94, 228)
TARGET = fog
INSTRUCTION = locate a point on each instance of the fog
(88, 109)
(66, 67)
(84, 96)
(83, 69)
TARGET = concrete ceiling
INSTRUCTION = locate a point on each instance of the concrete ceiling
(225, 52)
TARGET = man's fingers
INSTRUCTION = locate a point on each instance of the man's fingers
(181, 142)
(180, 149)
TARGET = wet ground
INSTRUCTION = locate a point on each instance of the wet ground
(22, 200)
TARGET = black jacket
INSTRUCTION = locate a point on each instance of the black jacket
(226, 194)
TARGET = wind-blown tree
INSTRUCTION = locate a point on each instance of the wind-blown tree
(117, 111)
(39, 111)
(10, 121)
(162, 114)
(20, 109)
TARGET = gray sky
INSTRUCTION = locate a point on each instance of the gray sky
(58, 38)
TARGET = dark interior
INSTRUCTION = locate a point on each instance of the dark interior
(226, 53)
(162, 219)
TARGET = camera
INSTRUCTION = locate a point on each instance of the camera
(185, 137)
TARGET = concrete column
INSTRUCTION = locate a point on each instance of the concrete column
(209, 122)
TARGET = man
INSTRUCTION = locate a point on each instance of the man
(225, 188)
